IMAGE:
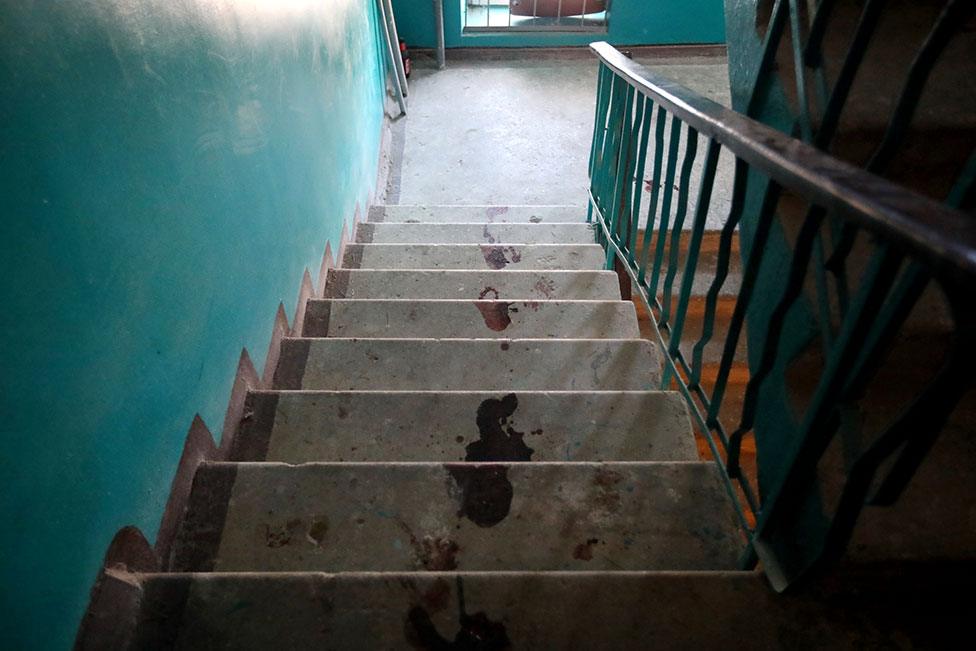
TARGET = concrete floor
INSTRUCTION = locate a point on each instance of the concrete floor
(515, 127)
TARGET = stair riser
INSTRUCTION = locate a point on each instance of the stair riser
(475, 234)
(525, 257)
(471, 319)
(469, 517)
(478, 214)
(472, 285)
(468, 365)
(302, 427)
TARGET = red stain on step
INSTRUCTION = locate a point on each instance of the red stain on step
(495, 314)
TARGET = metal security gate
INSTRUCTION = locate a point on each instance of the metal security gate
(536, 15)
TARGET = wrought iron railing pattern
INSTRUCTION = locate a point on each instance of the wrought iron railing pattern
(646, 124)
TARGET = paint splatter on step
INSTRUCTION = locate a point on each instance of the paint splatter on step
(484, 491)
(498, 441)
(495, 314)
(476, 632)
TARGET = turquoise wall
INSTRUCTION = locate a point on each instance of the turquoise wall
(168, 168)
(632, 22)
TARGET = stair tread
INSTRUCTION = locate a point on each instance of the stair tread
(474, 232)
(469, 516)
(472, 284)
(491, 214)
(301, 426)
(468, 364)
(535, 610)
(474, 256)
(470, 319)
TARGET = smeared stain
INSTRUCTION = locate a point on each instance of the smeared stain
(496, 211)
(495, 314)
(584, 551)
(505, 345)
(494, 256)
(476, 632)
(343, 412)
(489, 290)
(488, 236)
(317, 531)
(279, 535)
(607, 496)
(485, 492)
(545, 287)
(432, 553)
(515, 254)
(532, 305)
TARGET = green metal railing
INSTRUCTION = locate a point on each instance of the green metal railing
(657, 138)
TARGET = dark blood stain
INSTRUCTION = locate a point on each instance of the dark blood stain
(280, 535)
(316, 533)
(505, 345)
(435, 598)
(440, 555)
(514, 253)
(486, 493)
(489, 290)
(343, 412)
(459, 439)
(532, 305)
(535, 220)
(537, 432)
(584, 551)
(498, 441)
(476, 632)
(488, 236)
(495, 314)
(494, 256)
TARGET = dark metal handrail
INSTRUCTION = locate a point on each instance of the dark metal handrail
(943, 236)
(915, 244)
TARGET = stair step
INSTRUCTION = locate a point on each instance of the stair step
(475, 233)
(471, 319)
(468, 365)
(539, 610)
(478, 214)
(472, 285)
(302, 426)
(464, 516)
(474, 256)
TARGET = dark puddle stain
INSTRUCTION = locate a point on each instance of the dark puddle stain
(498, 441)
(495, 314)
(476, 632)
(486, 493)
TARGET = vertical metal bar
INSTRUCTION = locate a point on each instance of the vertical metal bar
(559, 12)
(662, 230)
(694, 245)
(615, 209)
(799, 71)
(774, 33)
(439, 26)
(661, 123)
(763, 226)
(398, 59)
(677, 229)
(633, 159)
(393, 56)
(639, 176)
(583, 15)
(739, 187)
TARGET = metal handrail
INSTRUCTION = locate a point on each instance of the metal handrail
(943, 236)
(916, 243)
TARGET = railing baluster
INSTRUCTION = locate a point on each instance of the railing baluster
(662, 231)
(638, 190)
(677, 230)
(763, 226)
(631, 157)
(694, 245)
(799, 71)
(660, 125)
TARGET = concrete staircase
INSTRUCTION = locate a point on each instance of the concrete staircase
(467, 449)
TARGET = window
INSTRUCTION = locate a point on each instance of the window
(536, 15)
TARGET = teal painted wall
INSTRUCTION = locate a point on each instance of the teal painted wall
(632, 22)
(168, 168)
